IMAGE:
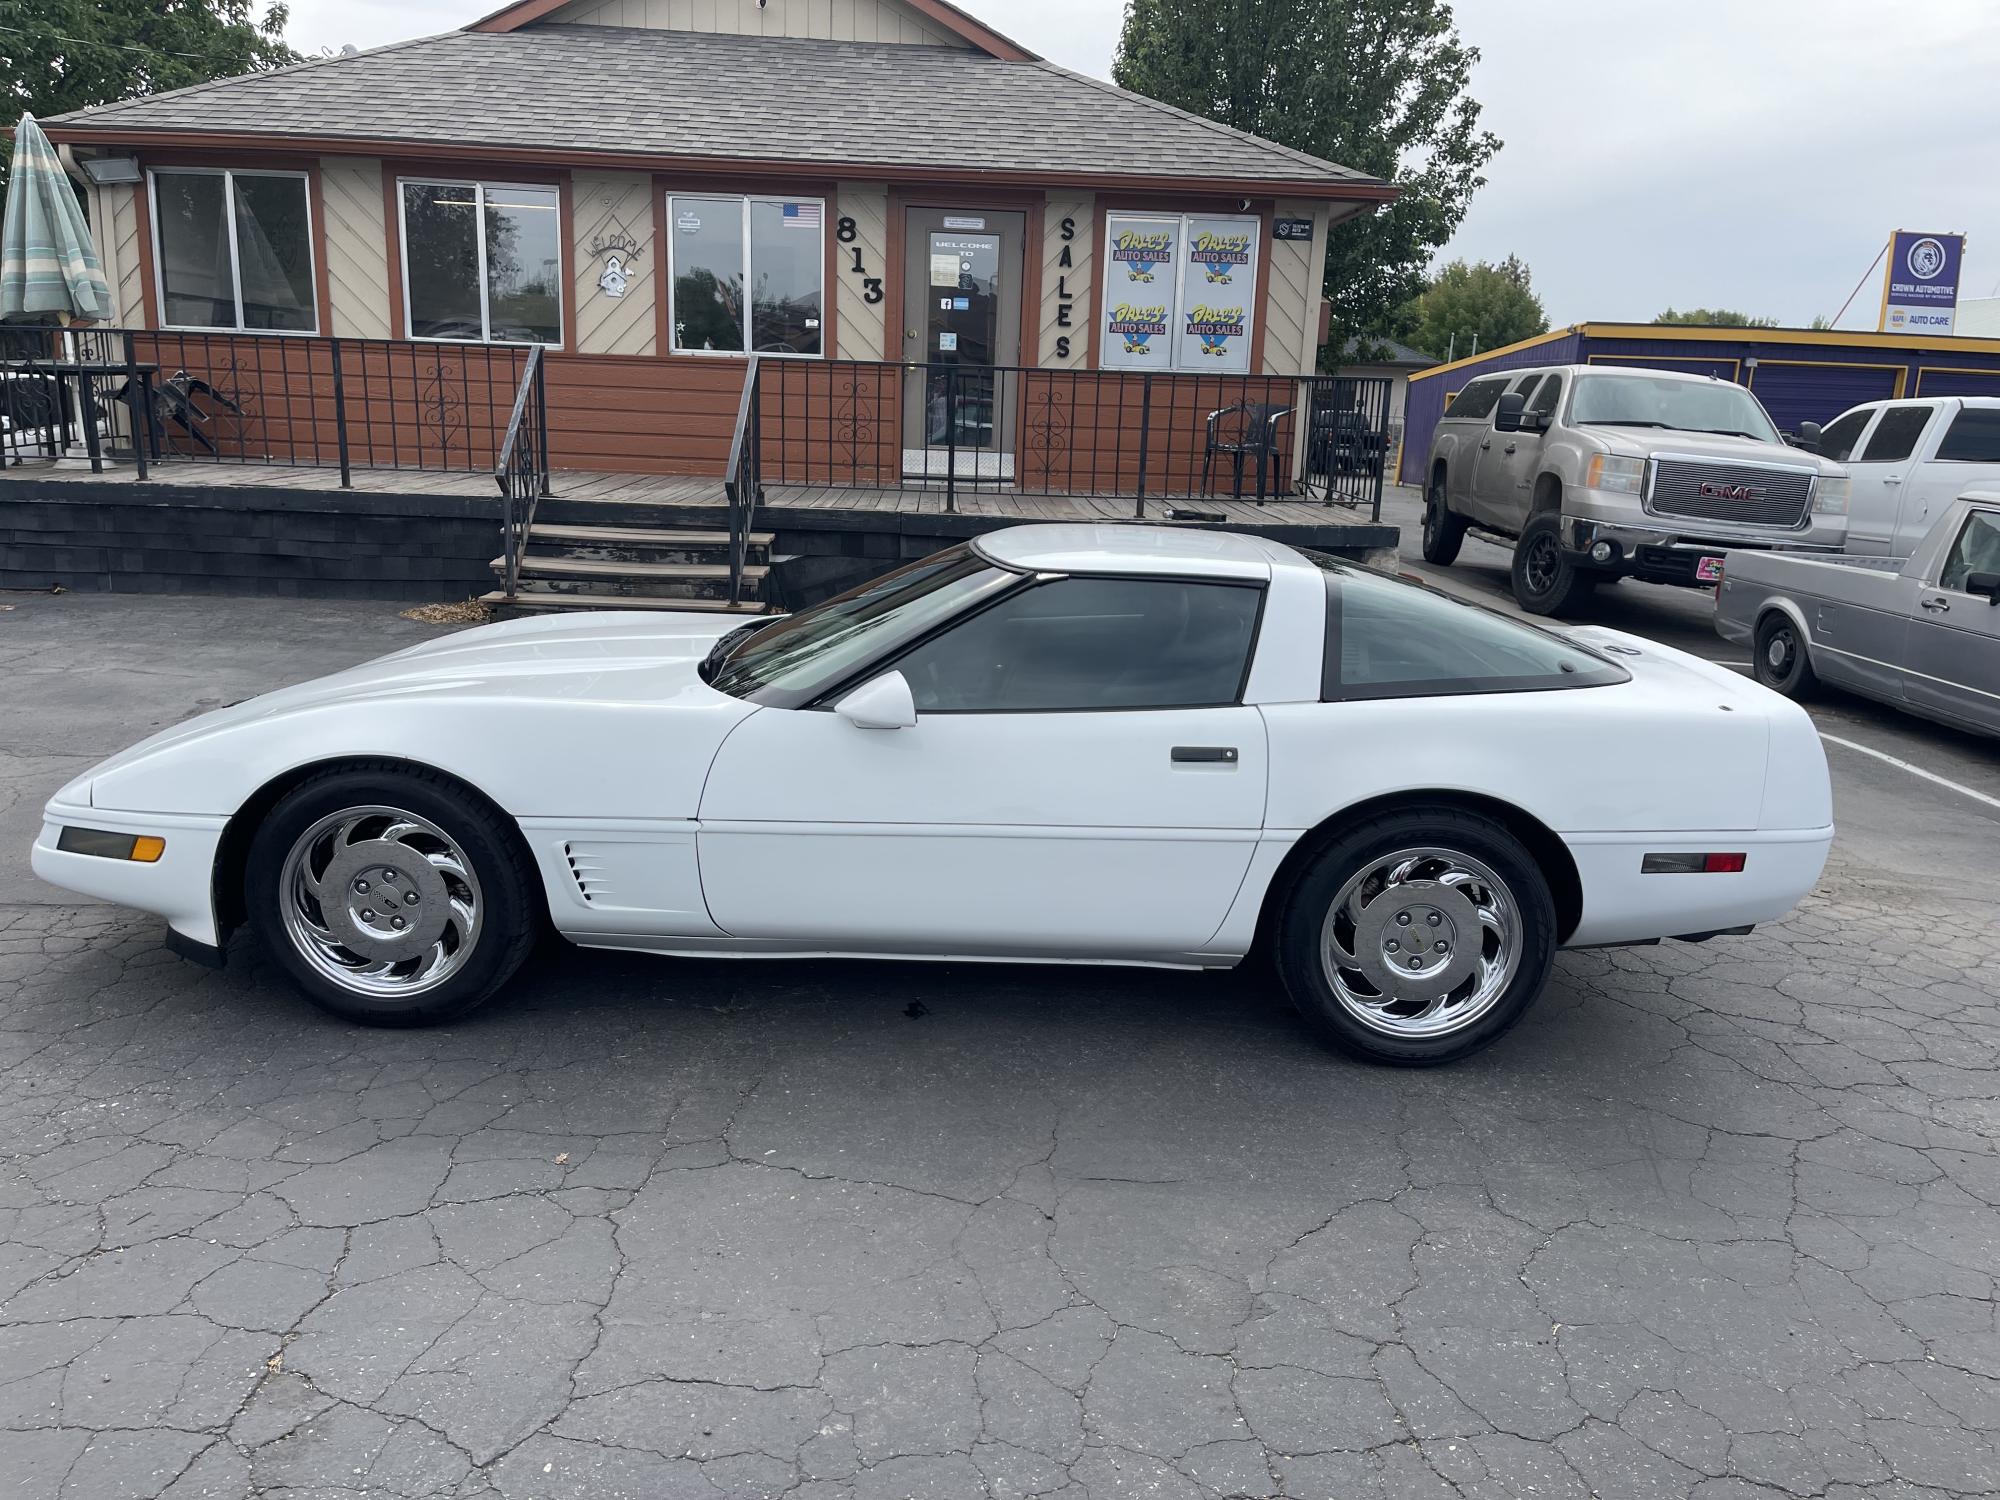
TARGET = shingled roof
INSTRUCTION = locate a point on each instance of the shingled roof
(630, 94)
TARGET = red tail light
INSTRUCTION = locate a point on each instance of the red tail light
(1692, 864)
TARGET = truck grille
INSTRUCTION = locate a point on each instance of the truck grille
(1747, 494)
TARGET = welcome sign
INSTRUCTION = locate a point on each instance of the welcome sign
(1920, 286)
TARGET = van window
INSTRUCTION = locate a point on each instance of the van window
(1895, 436)
(1479, 398)
(1974, 437)
(1840, 436)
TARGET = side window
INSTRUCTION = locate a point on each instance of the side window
(1479, 398)
(1974, 437)
(1092, 643)
(1977, 550)
(1546, 395)
(1895, 436)
(1840, 436)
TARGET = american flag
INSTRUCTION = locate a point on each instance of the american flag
(802, 216)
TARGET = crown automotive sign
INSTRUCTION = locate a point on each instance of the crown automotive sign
(1920, 287)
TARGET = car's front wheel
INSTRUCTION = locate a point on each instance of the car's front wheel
(1417, 937)
(389, 896)
(1546, 579)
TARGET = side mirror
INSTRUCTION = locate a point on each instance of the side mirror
(1807, 437)
(1536, 421)
(880, 703)
(1507, 416)
(1984, 586)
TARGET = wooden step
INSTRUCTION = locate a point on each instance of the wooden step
(641, 536)
(546, 565)
(500, 604)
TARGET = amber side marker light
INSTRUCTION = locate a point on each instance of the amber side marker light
(1692, 864)
(144, 848)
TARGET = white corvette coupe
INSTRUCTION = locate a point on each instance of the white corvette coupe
(1115, 744)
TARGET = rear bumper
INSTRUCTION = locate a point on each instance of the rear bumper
(1622, 905)
(179, 886)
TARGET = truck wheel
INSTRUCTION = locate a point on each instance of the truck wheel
(1780, 661)
(1443, 531)
(1546, 580)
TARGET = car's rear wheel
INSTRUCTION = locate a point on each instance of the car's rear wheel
(1546, 579)
(389, 896)
(1417, 937)
(1779, 659)
(1444, 533)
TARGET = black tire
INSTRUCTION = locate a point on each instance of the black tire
(1304, 922)
(1444, 533)
(504, 891)
(1546, 579)
(1780, 659)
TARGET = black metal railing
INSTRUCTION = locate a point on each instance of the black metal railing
(1138, 435)
(743, 475)
(522, 470)
(273, 399)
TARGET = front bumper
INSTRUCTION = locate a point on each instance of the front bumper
(1623, 905)
(1662, 555)
(179, 886)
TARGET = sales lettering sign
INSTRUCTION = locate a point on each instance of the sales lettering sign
(1920, 286)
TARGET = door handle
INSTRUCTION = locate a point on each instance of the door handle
(1936, 606)
(1183, 755)
(1508, 449)
(1892, 478)
(1485, 443)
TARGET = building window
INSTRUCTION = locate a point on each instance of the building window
(720, 245)
(482, 262)
(1178, 290)
(234, 250)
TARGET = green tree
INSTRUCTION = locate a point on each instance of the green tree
(58, 55)
(1715, 317)
(1377, 85)
(1468, 307)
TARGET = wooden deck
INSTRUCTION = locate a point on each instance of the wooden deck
(696, 493)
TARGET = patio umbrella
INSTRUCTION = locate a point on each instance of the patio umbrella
(49, 271)
(48, 265)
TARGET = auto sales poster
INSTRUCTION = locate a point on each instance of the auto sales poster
(1139, 292)
(1218, 283)
(1920, 286)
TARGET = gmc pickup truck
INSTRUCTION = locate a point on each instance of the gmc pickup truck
(1921, 635)
(1594, 472)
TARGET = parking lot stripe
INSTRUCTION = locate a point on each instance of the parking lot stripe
(1903, 765)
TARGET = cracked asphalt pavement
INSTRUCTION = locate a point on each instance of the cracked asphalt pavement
(1715, 1221)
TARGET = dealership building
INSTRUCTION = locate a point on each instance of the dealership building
(1801, 375)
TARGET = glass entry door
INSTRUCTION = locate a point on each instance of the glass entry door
(962, 320)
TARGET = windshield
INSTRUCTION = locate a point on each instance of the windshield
(1684, 405)
(796, 658)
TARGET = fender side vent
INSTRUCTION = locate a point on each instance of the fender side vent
(586, 871)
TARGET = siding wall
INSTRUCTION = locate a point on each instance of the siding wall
(612, 205)
(359, 279)
(1292, 292)
(835, 20)
(1075, 279)
(116, 226)
(861, 328)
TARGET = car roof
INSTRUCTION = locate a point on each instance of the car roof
(1646, 370)
(1134, 548)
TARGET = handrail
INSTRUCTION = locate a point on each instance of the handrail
(742, 477)
(522, 471)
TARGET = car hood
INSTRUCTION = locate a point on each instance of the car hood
(1646, 442)
(591, 658)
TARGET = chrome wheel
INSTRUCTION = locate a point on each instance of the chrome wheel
(1421, 942)
(380, 901)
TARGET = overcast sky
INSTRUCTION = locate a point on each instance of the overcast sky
(1751, 154)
